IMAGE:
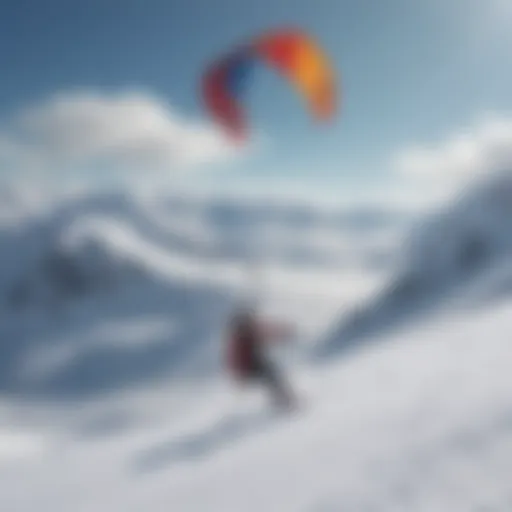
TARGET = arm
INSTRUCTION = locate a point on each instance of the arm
(277, 332)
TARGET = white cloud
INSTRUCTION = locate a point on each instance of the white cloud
(483, 148)
(17, 445)
(124, 131)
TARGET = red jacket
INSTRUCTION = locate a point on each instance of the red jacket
(245, 349)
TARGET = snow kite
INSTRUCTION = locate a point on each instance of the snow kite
(293, 53)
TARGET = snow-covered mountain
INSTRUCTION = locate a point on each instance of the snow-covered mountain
(88, 263)
(458, 257)
(207, 230)
(120, 299)
(78, 269)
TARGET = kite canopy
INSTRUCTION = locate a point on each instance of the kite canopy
(293, 53)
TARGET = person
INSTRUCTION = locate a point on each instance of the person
(247, 355)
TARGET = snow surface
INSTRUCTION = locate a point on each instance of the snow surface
(111, 395)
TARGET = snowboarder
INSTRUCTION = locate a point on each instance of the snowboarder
(247, 358)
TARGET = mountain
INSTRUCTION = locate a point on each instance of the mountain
(129, 320)
(79, 264)
(458, 257)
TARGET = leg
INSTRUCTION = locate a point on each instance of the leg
(281, 393)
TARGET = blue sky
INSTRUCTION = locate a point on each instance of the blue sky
(411, 71)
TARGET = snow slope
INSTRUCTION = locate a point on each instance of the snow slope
(456, 259)
(420, 421)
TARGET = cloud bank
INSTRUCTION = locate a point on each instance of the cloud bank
(127, 131)
(483, 148)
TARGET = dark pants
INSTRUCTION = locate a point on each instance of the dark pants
(266, 372)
